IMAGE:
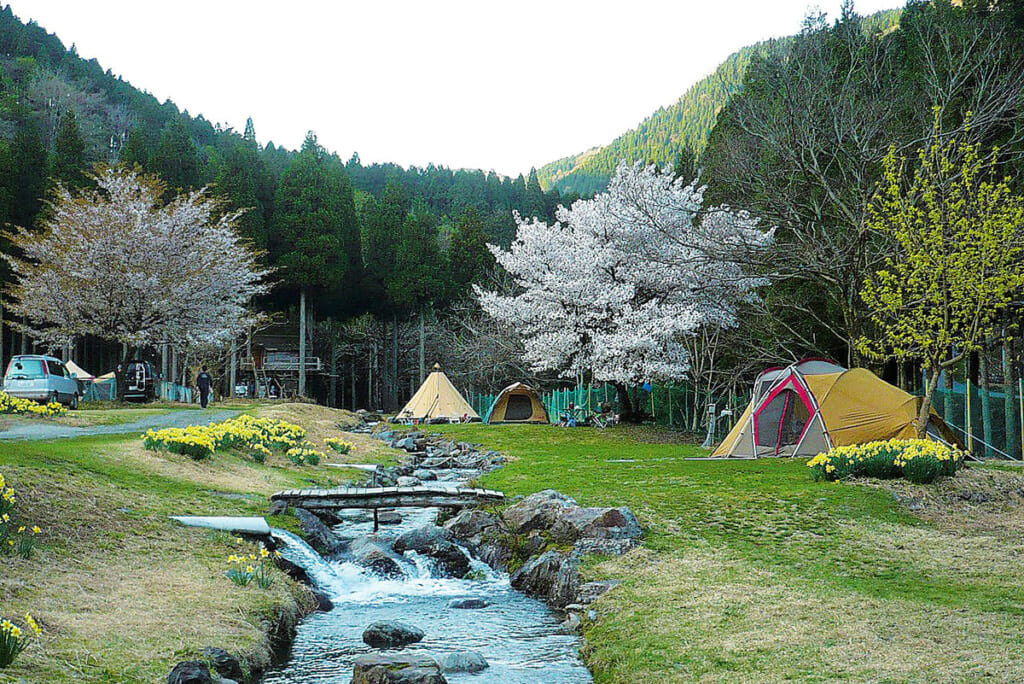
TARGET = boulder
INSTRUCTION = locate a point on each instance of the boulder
(224, 663)
(293, 570)
(391, 635)
(471, 526)
(324, 604)
(381, 668)
(537, 576)
(277, 508)
(389, 518)
(375, 557)
(421, 539)
(317, 534)
(572, 524)
(538, 511)
(468, 604)
(449, 559)
(424, 475)
(566, 582)
(463, 661)
(495, 554)
(407, 481)
(190, 672)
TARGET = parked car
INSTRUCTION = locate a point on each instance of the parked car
(41, 378)
(142, 380)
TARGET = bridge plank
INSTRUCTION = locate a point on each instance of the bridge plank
(390, 497)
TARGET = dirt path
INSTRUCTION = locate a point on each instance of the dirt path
(40, 429)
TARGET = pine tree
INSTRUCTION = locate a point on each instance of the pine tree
(29, 186)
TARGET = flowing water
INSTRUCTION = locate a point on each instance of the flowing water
(519, 636)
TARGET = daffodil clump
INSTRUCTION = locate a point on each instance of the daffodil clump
(25, 407)
(14, 639)
(244, 569)
(340, 445)
(305, 455)
(14, 537)
(260, 435)
(918, 460)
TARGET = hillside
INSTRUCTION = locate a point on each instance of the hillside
(684, 124)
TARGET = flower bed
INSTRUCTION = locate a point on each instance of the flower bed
(23, 407)
(918, 460)
(260, 435)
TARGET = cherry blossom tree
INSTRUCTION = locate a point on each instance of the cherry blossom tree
(118, 263)
(612, 289)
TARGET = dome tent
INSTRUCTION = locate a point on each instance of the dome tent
(437, 400)
(517, 403)
(815, 405)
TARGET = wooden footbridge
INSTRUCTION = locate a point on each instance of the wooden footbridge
(375, 498)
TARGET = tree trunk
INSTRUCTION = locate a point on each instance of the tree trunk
(626, 412)
(302, 342)
(394, 363)
(352, 378)
(332, 399)
(2, 366)
(1009, 405)
(233, 369)
(423, 360)
(174, 374)
(926, 403)
(121, 373)
(24, 337)
(986, 402)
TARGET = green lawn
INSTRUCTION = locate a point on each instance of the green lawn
(751, 571)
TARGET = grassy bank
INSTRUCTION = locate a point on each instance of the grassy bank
(121, 592)
(753, 572)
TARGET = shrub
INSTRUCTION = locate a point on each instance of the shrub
(919, 460)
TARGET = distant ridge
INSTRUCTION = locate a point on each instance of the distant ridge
(686, 123)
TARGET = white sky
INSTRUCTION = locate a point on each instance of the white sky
(463, 83)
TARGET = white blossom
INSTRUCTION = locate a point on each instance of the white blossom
(615, 285)
(120, 264)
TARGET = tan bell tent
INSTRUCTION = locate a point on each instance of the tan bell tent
(517, 403)
(437, 400)
(814, 405)
(78, 372)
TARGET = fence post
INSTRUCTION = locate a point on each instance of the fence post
(967, 418)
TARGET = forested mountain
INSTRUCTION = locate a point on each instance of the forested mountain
(680, 128)
(390, 242)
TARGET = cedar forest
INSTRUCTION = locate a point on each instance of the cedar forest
(387, 256)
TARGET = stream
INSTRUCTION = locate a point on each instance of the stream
(519, 636)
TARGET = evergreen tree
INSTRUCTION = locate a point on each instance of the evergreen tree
(29, 183)
(468, 257)
(534, 203)
(139, 148)
(176, 160)
(316, 239)
(381, 228)
(244, 181)
(417, 280)
(69, 163)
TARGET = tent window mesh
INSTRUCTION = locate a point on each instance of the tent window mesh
(782, 420)
(519, 407)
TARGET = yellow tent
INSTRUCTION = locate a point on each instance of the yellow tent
(815, 405)
(517, 403)
(437, 400)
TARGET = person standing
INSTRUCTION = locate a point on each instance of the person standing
(205, 383)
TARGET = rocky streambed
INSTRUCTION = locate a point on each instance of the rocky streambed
(437, 596)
